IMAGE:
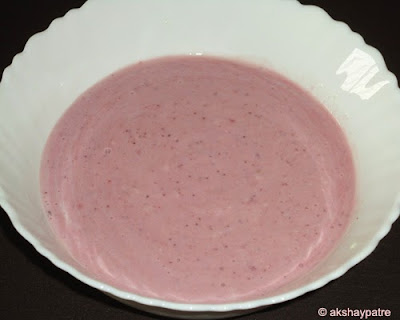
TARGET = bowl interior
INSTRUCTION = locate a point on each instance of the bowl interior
(301, 42)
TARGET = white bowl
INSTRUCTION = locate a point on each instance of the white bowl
(301, 42)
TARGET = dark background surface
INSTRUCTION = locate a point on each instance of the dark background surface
(32, 288)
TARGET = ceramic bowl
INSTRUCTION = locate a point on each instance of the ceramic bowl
(301, 42)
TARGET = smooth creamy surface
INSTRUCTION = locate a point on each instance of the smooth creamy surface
(196, 179)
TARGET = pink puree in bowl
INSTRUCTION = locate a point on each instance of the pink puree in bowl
(198, 180)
